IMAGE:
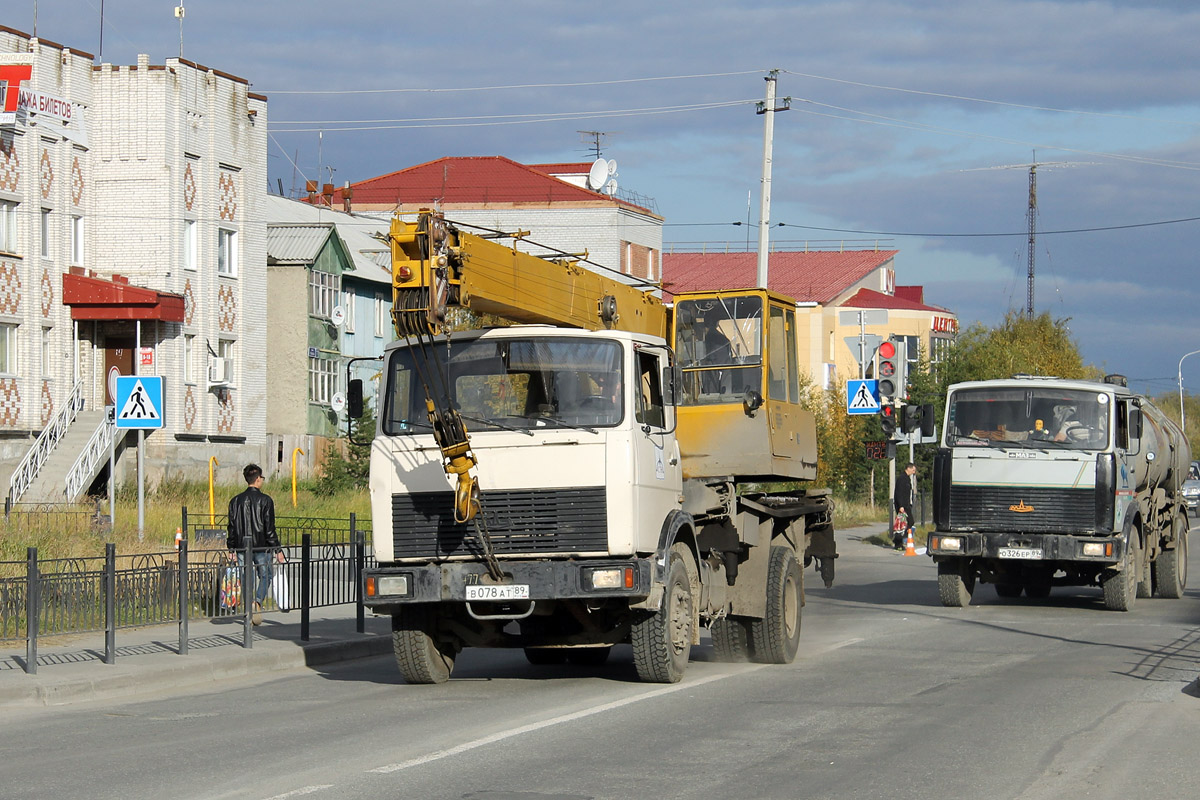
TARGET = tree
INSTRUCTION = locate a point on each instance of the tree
(347, 466)
(1037, 346)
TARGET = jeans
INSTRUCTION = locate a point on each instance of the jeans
(264, 572)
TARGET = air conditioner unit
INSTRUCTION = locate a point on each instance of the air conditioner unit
(218, 372)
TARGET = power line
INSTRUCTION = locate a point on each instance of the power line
(444, 90)
(935, 235)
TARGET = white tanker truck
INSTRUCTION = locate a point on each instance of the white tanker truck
(1041, 482)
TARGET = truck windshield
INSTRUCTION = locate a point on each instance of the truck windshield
(718, 341)
(501, 383)
(1036, 416)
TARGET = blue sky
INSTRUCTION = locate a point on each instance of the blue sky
(899, 110)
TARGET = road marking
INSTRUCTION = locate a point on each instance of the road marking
(536, 726)
(301, 791)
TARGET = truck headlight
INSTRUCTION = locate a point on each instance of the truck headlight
(611, 578)
(391, 584)
(947, 543)
(1097, 548)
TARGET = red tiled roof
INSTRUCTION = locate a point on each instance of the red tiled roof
(913, 293)
(471, 180)
(814, 276)
(868, 298)
(582, 168)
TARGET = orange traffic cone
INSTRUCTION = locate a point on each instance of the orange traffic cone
(178, 537)
(910, 548)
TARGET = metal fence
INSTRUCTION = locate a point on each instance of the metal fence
(48, 597)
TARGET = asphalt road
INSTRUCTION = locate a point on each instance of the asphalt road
(892, 697)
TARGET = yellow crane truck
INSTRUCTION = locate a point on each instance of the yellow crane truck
(618, 481)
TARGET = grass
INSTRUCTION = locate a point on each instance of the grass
(74, 535)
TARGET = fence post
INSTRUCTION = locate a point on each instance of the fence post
(248, 577)
(31, 608)
(360, 617)
(110, 603)
(183, 527)
(305, 585)
(184, 583)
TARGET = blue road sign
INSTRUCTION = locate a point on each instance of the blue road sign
(139, 401)
(862, 397)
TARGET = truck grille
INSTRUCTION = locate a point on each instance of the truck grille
(518, 522)
(1053, 510)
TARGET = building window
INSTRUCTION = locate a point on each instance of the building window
(46, 338)
(322, 293)
(189, 350)
(380, 315)
(322, 380)
(225, 349)
(189, 244)
(348, 307)
(8, 227)
(77, 241)
(226, 252)
(45, 233)
(8, 349)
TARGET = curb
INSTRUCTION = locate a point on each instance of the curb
(172, 671)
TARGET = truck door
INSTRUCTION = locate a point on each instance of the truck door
(657, 475)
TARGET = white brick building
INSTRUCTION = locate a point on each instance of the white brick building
(158, 182)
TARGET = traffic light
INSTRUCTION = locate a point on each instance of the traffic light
(890, 375)
(910, 418)
(887, 418)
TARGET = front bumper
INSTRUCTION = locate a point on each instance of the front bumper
(391, 586)
(1053, 547)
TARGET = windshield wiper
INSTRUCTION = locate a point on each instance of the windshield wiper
(557, 422)
(513, 428)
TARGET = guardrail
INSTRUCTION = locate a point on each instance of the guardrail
(94, 452)
(25, 473)
(48, 597)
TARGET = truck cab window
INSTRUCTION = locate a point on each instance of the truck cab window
(650, 409)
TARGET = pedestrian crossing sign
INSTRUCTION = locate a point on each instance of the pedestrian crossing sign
(139, 401)
(862, 397)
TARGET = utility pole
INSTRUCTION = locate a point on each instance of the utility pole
(1032, 231)
(767, 108)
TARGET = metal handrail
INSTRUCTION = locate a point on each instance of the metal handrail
(44, 445)
(95, 451)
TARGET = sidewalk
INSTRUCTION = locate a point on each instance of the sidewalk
(71, 668)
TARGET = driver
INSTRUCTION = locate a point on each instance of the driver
(1064, 421)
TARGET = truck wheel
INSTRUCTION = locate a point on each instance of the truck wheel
(419, 655)
(662, 642)
(1008, 590)
(1170, 569)
(956, 582)
(775, 638)
(588, 656)
(1120, 588)
(730, 639)
(545, 656)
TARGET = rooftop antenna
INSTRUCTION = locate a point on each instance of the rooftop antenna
(35, 19)
(101, 52)
(597, 140)
(1031, 213)
(179, 13)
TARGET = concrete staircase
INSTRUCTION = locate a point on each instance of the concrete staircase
(50, 485)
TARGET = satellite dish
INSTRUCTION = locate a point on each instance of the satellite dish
(612, 166)
(611, 188)
(337, 316)
(338, 402)
(598, 174)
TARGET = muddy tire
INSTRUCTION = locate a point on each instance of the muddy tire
(775, 638)
(588, 656)
(1008, 590)
(662, 642)
(1170, 570)
(956, 582)
(419, 655)
(731, 639)
(1120, 588)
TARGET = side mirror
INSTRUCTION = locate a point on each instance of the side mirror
(752, 401)
(354, 399)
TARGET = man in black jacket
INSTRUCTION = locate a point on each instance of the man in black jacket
(906, 493)
(252, 521)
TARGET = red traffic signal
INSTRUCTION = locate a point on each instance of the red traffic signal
(887, 349)
(887, 419)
